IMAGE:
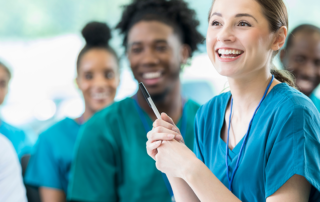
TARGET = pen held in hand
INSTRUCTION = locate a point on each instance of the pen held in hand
(147, 96)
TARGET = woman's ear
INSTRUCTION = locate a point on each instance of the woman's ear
(118, 78)
(280, 38)
(76, 82)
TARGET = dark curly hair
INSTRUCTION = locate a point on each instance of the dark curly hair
(96, 35)
(174, 13)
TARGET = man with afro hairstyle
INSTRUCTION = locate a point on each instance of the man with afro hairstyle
(111, 163)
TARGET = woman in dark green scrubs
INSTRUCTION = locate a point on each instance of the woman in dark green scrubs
(111, 163)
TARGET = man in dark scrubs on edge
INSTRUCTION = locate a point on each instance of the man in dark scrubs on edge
(301, 56)
(111, 163)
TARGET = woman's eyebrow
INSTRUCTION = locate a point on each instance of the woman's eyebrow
(237, 16)
(245, 15)
(218, 14)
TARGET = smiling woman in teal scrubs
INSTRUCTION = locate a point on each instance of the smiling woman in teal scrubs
(258, 142)
(98, 79)
(18, 138)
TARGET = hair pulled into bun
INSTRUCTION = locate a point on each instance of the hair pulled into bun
(96, 34)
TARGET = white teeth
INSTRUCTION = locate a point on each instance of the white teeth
(228, 51)
(151, 75)
(99, 96)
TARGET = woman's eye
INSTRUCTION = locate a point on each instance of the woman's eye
(216, 23)
(88, 76)
(109, 75)
(244, 24)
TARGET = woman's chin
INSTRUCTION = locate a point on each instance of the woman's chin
(226, 72)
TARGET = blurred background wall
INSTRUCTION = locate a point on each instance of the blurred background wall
(40, 41)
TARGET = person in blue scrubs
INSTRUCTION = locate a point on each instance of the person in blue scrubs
(98, 79)
(301, 56)
(18, 138)
(261, 140)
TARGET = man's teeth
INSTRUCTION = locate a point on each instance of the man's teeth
(100, 96)
(151, 75)
(228, 51)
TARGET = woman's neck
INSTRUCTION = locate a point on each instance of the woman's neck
(247, 92)
(87, 114)
(171, 103)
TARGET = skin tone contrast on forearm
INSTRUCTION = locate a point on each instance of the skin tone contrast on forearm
(51, 195)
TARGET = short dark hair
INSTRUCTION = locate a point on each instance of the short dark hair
(6, 68)
(174, 13)
(96, 35)
(307, 28)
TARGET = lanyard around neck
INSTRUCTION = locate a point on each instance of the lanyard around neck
(245, 137)
(148, 127)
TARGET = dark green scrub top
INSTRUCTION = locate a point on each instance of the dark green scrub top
(111, 162)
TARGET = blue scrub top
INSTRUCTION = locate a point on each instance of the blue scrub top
(284, 140)
(315, 100)
(18, 138)
(50, 162)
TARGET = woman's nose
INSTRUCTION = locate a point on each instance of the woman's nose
(100, 81)
(226, 35)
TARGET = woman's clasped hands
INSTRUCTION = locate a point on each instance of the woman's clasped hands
(166, 146)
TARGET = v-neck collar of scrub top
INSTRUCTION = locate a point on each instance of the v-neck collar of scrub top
(222, 144)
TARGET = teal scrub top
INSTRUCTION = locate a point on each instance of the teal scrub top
(111, 162)
(18, 138)
(284, 140)
(315, 100)
(50, 162)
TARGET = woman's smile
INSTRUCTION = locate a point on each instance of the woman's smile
(228, 54)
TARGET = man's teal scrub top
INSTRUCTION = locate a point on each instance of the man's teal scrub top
(315, 100)
(284, 140)
(50, 162)
(111, 162)
(18, 138)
